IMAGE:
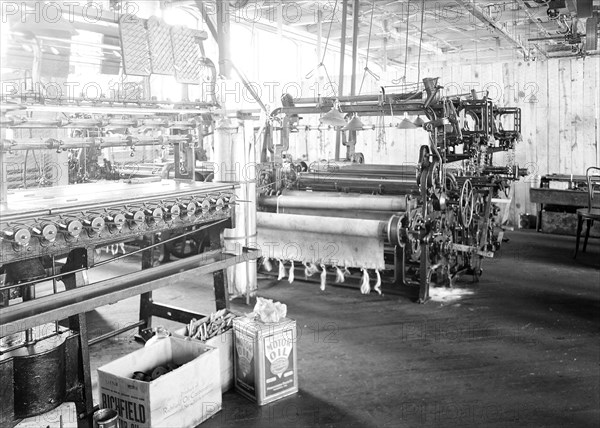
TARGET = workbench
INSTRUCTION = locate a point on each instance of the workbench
(558, 198)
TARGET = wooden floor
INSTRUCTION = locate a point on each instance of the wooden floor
(522, 350)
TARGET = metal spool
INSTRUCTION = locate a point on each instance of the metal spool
(226, 201)
(116, 220)
(46, 232)
(94, 225)
(71, 229)
(205, 206)
(188, 210)
(171, 212)
(154, 215)
(20, 236)
(135, 219)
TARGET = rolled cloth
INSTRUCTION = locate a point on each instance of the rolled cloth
(336, 201)
(330, 241)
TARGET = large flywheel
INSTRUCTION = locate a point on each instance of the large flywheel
(467, 203)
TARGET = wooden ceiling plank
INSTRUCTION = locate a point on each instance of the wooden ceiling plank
(525, 10)
(476, 11)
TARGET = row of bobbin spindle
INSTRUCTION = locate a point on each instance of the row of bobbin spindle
(114, 220)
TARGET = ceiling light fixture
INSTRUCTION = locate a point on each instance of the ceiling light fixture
(354, 125)
(418, 122)
(406, 123)
(334, 117)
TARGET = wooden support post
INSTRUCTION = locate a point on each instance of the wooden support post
(339, 136)
(343, 47)
(77, 259)
(146, 298)
(355, 11)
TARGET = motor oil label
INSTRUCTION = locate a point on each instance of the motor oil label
(244, 361)
(279, 362)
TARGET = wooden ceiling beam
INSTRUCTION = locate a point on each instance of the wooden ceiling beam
(478, 13)
(531, 18)
(396, 34)
(393, 33)
(457, 59)
(384, 14)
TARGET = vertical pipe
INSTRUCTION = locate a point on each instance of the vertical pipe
(385, 45)
(355, 12)
(54, 289)
(224, 38)
(338, 138)
(233, 165)
(185, 94)
(36, 66)
(249, 175)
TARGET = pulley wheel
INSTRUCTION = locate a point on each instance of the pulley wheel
(466, 203)
(394, 229)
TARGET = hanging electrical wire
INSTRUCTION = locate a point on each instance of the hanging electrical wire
(381, 134)
(322, 63)
(406, 46)
(367, 70)
(329, 32)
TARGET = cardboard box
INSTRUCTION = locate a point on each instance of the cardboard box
(224, 345)
(265, 359)
(184, 397)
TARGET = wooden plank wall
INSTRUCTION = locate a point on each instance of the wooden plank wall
(560, 106)
(559, 100)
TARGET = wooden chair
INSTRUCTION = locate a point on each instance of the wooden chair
(588, 214)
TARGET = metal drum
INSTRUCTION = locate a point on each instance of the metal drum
(39, 376)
